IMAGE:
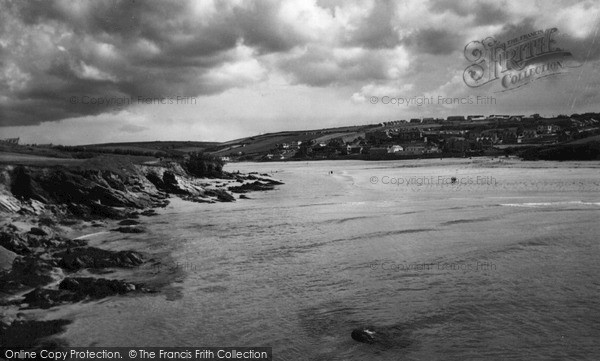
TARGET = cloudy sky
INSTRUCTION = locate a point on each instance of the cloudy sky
(220, 70)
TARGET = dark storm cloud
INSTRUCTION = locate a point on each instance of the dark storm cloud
(54, 51)
(378, 29)
(435, 41)
(322, 66)
(583, 49)
(124, 49)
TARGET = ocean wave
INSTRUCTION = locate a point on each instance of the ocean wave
(551, 204)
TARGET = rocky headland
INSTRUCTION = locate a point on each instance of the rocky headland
(43, 262)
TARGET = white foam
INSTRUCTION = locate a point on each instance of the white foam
(550, 204)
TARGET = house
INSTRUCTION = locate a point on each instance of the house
(456, 118)
(354, 149)
(10, 140)
(528, 134)
(408, 134)
(395, 149)
(548, 128)
(432, 148)
(415, 148)
(476, 117)
(499, 117)
(509, 136)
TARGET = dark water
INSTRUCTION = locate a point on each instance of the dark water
(502, 271)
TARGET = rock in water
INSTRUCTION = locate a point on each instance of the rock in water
(383, 337)
(364, 335)
(37, 231)
(129, 222)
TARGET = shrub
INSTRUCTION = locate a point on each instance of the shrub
(204, 165)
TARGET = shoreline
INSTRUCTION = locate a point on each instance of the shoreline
(146, 278)
(78, 235)
(480, 161)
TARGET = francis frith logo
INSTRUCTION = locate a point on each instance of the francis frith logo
(515, 62)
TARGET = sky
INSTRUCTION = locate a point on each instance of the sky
(82, 72)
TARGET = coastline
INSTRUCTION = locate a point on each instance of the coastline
(148, 278)
(72, 235)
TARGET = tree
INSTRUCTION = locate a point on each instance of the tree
(204, 165)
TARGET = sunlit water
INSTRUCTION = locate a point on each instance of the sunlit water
(502, 268)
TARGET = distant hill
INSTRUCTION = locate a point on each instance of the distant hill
(594, 138)
(581, 151)
(167, 146)
(531, 137)
(255, 147)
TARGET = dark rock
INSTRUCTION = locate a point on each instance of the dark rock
(385, 338)
(27, 271)
(88, 193)
(128, 230)
(113, 180)
(96, 287)
(37, 231)
(14, 242)
(106, 211)
(6, 259)
(91, 257)
(32, 271)
(27, 334)
(149, 213)
(76, 289)
(251, 187)
(171, 184)
(198, 199)
(46, 221)
(24, 186)
(135, 215)
(30, 242)
(46, 298)
(269, 181)
(79, 210)
(221, 194)
(128, 222)
(156, 180)
(111, 197)
(168, 183)
(364, 335)
(243, 196)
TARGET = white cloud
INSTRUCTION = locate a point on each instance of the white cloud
(90, 72)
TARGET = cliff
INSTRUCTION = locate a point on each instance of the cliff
(40, 266)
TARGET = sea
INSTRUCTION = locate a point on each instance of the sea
(453, 259)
